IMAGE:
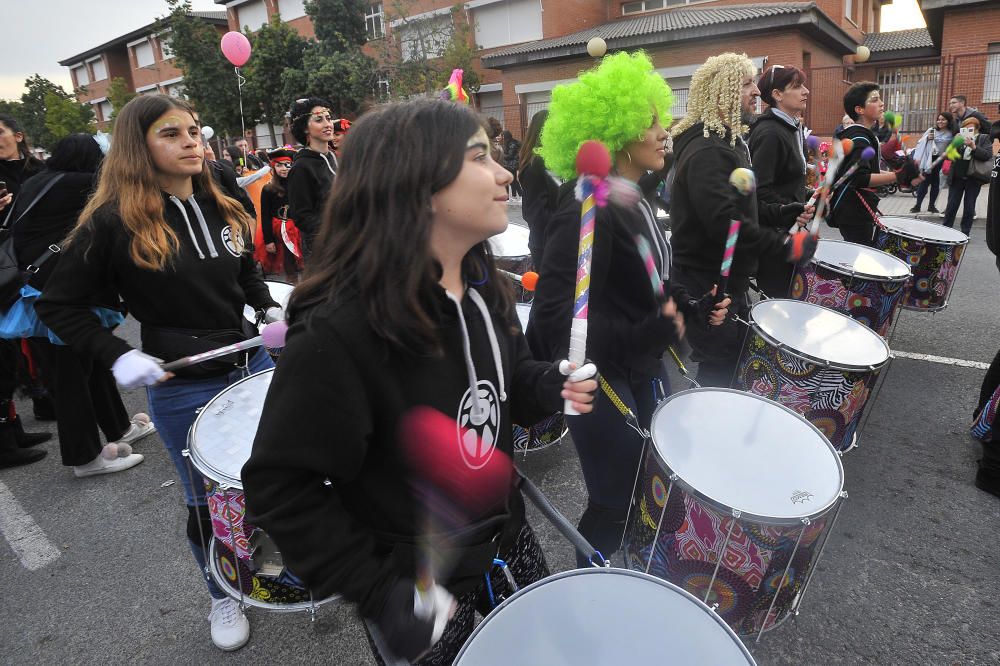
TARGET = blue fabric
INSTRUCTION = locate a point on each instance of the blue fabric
(20, 321)
(173, 406)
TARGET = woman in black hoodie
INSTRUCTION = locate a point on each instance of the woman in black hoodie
(402, 308)
(160, 233)
(314, 167)
(777, 151)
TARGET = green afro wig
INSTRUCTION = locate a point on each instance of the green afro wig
(610, 103)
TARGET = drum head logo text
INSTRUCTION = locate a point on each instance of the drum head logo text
(801, 497)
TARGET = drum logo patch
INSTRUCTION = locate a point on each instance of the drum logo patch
(478, 425)
(801, 497)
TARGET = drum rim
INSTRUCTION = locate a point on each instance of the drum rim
(608, 571)
(227, 589)
(911, 236)
(722, 506)
(198, 461)
(837, 268)
(815, 360)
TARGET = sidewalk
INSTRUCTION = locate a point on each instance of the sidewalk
(900, 204)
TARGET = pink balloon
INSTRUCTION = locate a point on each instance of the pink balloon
(236, 48)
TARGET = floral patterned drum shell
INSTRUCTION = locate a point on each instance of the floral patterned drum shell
(932, 251)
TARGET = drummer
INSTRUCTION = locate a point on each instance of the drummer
(708, 146)
(629, 330)
(160, 233)
(403, 308)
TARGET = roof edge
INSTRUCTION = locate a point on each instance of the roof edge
(122, 39)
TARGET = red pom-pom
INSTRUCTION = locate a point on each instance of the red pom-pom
(593, 159)
(529, 280)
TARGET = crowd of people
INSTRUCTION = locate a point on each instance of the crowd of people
(400, 304)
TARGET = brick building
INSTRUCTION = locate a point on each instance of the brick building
(142, 58)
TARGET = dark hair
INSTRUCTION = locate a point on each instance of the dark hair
(779, 77)
(857, 95)
(531, 139)
(299, 117)
(24, 146)
(961, 98)
(77, 152)
(495, 128)
(235, 154)
(951, 120)
(374, 238)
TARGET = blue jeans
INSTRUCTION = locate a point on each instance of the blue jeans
(609, 451)
(173, 406)
(964, 192)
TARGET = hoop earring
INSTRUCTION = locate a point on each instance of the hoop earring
(629, 156)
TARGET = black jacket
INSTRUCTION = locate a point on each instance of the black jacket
(204, 287)
(334, 411)
(846, 208)
(625, 328)
(982, 152)
(541, 194)
(993, 207)
(309, 182)
(225, 176)
(703, 204)
(14, 173)
(272, 205)
(50, 220)
(777, 160)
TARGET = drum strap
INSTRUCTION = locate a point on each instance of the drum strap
(864, 203)
(615, 400)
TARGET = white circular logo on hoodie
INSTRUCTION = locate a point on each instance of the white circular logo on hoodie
(233, 243)
(478, 430)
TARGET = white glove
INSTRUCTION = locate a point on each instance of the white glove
(273, 314)
(134, 369)
(586, 371)
(436, 602)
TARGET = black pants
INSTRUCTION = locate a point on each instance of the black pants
(86, 398)
(862, 235)
(716, 349)
(515, 186)
(527, 564)
(962, 192)
(932, 183)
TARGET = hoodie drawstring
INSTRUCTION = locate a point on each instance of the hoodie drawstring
(204, 227)
(479, 410)
(492, 335)
(194, 241)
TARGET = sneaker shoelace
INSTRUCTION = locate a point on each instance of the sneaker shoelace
(228, 613)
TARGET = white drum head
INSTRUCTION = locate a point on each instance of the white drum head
(602, 616)
(856, 259)
(909, 227)
(820, 333)
(222, 436)
(742, 451)
(511, 243)
(280, 291)
(524, 314)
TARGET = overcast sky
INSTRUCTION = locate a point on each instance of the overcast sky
(43, 32)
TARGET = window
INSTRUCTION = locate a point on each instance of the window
(98, 68)
(143, 54)
(507, 22)
(252, 15)
(491, 105)
(646, 6)
(426, 38)
(106, 110)
(849, 10)
(382, 90)
(373, 21)
(175, 90)
(912, 92)
(165, 49)
(80, 74)
(291, 9)
(535, 102)
(991, 83)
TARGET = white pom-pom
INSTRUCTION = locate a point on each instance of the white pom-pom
(110, 451)
(124, 450)
(141, 418)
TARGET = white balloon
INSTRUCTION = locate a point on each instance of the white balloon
(207, 132)
(862, 53)
(597, 47)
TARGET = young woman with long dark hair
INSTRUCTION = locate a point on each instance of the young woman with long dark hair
(160, 232)
(401, 307)
(314, 167)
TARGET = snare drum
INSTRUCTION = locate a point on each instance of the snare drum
(820, 363)
(932, 251)
(242, 559)
(510, 249)
(865, 284)
(546, 432)
(280, 292)
(734, 500)
(603, 616)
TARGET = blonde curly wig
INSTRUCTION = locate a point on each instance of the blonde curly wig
(714, 96)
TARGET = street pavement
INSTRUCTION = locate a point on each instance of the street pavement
(909, 575)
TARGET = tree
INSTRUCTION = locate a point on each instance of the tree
(426, 50)
(11, 107)
(209, 80)
(119, 94)
(277, 48)
(64, 116)
(34, 109)
(339, 24)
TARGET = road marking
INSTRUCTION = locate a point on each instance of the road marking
(23, 534)
(942, 359)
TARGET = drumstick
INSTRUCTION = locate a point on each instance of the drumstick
(529, 280)
(593, 164)
(272, 337)
(744, 182)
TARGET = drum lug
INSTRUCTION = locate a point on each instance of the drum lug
(186, 453)
(673, 477)
(843, 494)
(806, 522)
(737, 513)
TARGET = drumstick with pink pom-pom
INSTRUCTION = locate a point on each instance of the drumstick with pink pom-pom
(744, 182)
(593, 164)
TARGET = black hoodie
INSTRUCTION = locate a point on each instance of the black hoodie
(333, 412)
(993, 208)
(203, 287)
(777, 154)
(309, 181)
(703, 204)
(846, 207)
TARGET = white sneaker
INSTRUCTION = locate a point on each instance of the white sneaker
(230, 628)
(141, 426)
(101, 465)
